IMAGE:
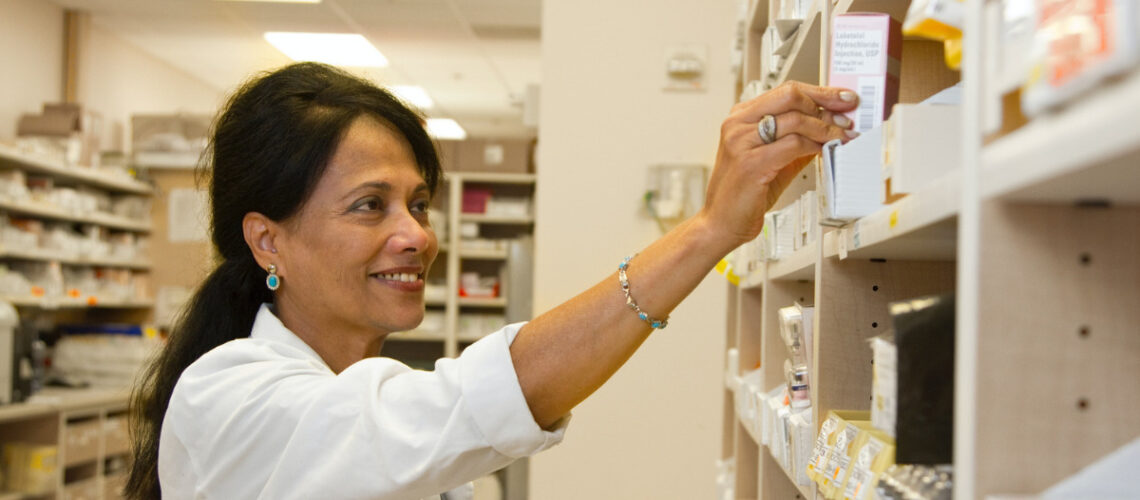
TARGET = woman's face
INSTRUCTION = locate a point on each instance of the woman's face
(354, 257)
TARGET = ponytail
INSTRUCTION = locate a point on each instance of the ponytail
(222, 309)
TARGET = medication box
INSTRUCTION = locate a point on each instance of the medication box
(920, 144)
(865, 57)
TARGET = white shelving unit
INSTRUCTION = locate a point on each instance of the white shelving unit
(39, 255)
(1037, 231)
(496, 219)
(113, 182)
(89, 429)
(109, 180)
(45, 211)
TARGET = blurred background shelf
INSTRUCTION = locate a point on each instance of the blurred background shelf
(51, 212)
(12, 157)
(1084, 152)
(496, 302)
(800, 265)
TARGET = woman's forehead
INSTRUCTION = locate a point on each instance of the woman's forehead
(369, 149)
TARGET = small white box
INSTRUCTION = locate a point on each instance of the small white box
(920, 144)
(781, 227)
(809, 219)
(469, 230)
(851, 177)
(884, 385)
(801, 428)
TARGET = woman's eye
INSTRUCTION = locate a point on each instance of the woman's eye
(368, 204)
(421, 206)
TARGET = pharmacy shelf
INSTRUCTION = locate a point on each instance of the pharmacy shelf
(754, 279)
(496, 219)
(166, 160)
(920, 226)
(799, 266)
(40, 255)
(1082, 153)
(802, 64)
(731, 382)
(482, 254)
(497, 178)
(51, 303)
(748, 430)
(491, 303)
(435, 302)
(46, 211)
(11, 157)
(22, 411)
(805, 491)
(758, 17)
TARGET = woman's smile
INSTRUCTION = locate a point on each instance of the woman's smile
(405, 280)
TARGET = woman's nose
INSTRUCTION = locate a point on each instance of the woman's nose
(411, 235)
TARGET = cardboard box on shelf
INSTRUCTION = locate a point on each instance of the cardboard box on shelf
(448, 155)
(494, 155)
(475, 200)
(175, 140)
(920, 144)
(79, 129)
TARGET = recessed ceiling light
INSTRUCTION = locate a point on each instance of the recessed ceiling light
(414, 95)
(338, 49)
(445, 128)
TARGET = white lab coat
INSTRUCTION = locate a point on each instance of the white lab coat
(265, 417)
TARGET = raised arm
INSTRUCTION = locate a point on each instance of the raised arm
(566, 354)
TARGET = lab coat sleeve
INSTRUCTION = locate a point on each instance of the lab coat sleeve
(376, 430)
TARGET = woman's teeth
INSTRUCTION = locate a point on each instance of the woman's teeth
(404, 277)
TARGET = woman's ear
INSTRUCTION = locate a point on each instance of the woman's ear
(261, 235)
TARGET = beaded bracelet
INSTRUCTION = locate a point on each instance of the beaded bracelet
(624, 281)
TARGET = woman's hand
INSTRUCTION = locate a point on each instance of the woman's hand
(749, 174)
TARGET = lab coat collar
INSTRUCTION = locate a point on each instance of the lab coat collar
(267, 326)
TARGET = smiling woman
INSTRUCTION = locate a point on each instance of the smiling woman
(319, 185)
(354, 257)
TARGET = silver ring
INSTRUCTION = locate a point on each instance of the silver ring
(767, 129)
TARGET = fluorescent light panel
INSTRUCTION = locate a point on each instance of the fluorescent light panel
(445, 128)
(338, 49)
(414, 95)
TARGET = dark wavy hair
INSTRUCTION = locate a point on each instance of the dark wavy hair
(270, 145)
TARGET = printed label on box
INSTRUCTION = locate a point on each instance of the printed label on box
(857, 52)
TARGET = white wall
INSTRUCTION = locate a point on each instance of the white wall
(115, 78)
(31, 53)
(118, 79)
(654, 430)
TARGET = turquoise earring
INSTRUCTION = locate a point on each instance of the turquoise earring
(273, 281)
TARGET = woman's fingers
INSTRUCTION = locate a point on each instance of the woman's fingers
(796, 96)
(816, 129)
(820, 130)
